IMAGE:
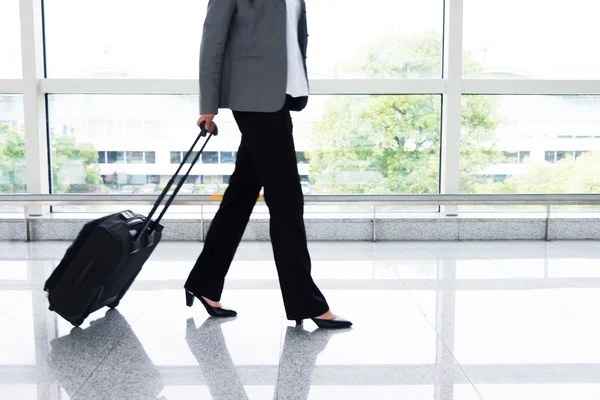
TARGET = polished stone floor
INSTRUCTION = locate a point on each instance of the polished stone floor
(436, 321)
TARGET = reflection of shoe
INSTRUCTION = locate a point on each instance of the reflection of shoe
(335, 323)
(213, 311)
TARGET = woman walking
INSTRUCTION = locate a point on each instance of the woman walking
(253, 61)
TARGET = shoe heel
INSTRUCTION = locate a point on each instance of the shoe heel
(319, 323)
(299, 322)
(189, 299)
(336, 323)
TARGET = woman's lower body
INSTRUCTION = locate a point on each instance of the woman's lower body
(266, 159)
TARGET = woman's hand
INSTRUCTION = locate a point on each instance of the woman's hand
(208, 118)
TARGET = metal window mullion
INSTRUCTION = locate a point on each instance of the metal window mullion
(34, 102)
(451, 100)
(190, 86)
(531, 86)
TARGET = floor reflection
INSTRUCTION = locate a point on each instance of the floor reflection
(299, 355)
(443, 321)
(298, 358)
(74, 358)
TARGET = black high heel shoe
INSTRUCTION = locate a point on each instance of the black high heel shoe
(212, 311)
(335, 323)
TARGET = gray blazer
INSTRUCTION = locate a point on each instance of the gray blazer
(243, 56)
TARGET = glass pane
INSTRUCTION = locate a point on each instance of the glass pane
(135, 157)
(301, 157)
(10, 40)
(114, 157)
(371, 144)
(354, 144)
(210, 157)
(546, 39)
(175, 157)
(139, 43)
(550, 156)
(13, 176)
(101, 157)
(405, 41)
(545, 128)
(385, 39)
(228, 157)
(191, 158)
(561, 155)
(511, 157)
(150, 157)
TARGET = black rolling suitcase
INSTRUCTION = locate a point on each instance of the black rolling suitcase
(108, 254)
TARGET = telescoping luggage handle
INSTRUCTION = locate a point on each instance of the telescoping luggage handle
(149, 224)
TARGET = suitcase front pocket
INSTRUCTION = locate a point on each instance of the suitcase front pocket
(85, 271)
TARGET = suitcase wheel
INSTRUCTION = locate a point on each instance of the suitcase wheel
(114, 305)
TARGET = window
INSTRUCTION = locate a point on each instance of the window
(101, 157)
(561, 155)
(156, 122)
(115, 157)
(228, 157)
(135, 157)
(191, 158)
(137, 179)
(523, 155)
(550, 157)
(400, 158)
(210, 157)
(531, 122)
(131, 157)
(556, 156)
(404, 41)
(13, 177)
(533, 47)
(511, 157)
(175, 157)
(352, 152)
(150, 157)
(133, 47)
(226, 179)
(10, 40)
(301, 157)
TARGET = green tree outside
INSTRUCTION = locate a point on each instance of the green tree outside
(68, 157)
(12, 161)
(391, 144)
(74, 168)
(566, 176)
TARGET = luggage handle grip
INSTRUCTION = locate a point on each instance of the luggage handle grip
(149, 224)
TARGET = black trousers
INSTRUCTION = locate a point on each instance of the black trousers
(266, 158)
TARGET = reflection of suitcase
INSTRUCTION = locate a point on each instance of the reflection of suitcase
(108, 254)
(108, 353)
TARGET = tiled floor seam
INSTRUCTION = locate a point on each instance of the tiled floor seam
(440, 338)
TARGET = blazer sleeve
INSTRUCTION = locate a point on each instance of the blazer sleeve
(212, 47)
